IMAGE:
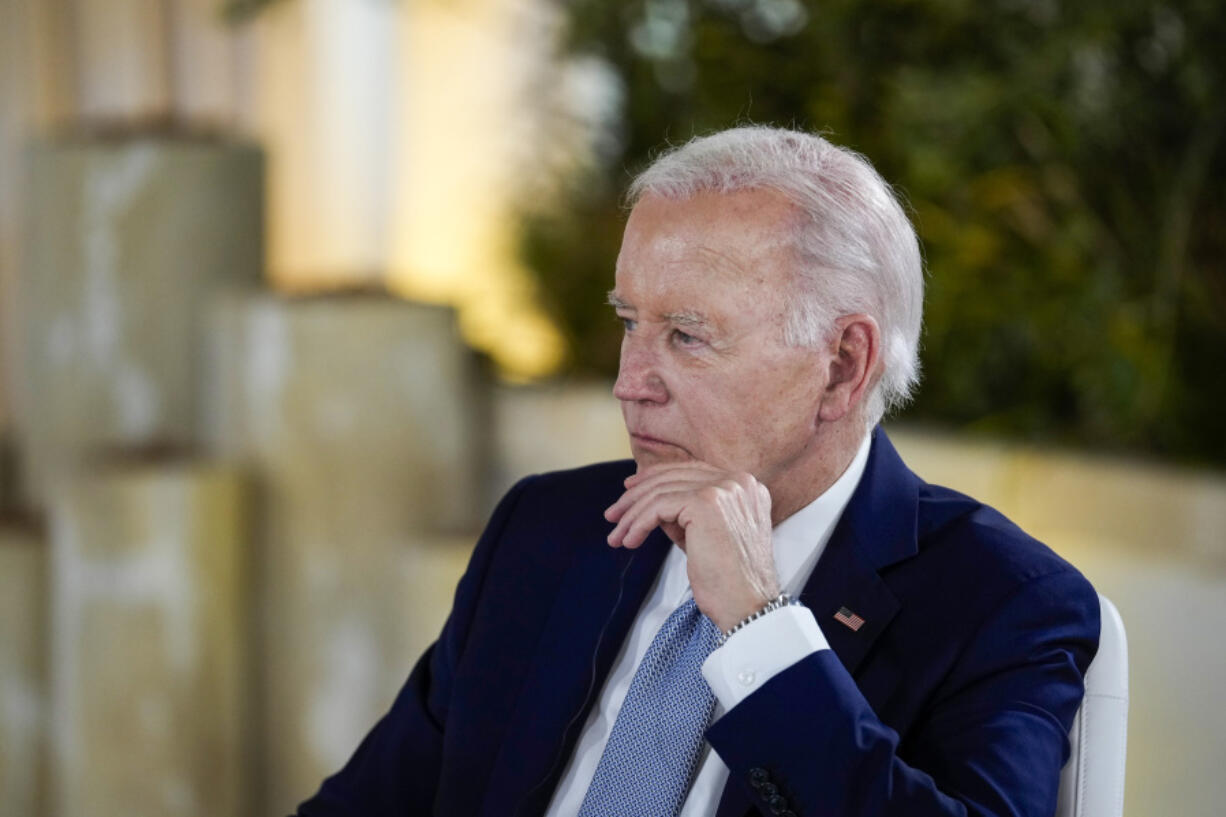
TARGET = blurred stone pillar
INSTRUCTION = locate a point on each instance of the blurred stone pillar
(124, 240)
(8, 471)
(149, 654)
(360, 415)
(23, 649)
(120, 52)
(552, 427)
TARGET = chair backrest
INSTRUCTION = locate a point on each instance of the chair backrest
(1092, 782)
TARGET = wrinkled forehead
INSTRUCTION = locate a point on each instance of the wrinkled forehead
(722, 235)
(761, 210)
(726, 266)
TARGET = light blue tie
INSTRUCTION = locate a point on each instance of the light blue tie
(652, 753)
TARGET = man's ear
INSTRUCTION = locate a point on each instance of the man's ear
(855, 358)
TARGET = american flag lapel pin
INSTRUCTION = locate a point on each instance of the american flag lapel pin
(849, 619)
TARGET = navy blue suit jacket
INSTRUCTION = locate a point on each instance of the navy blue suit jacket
(954, 697)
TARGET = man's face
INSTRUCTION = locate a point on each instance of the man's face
(705, 375)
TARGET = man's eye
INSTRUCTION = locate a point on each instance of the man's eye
(685, 339)
(628, 323)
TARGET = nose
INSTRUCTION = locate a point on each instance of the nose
(638, 375)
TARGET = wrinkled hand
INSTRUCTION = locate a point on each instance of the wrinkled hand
(722, 521)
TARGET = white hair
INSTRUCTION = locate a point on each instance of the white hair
(857, 250)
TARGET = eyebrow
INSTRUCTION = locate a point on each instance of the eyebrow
(686, 318)
(683, 318)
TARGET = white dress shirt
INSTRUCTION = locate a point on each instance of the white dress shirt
(747, 660)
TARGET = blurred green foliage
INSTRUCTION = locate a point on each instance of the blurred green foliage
(1065, 164)
(240, 11)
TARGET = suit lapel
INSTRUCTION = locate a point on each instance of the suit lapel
(599, 597)
(877, 529)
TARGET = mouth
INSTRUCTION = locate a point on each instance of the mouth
(646, 442)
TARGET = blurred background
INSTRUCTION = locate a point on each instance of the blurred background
(291, 291)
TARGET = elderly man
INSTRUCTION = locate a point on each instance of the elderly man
(765, 612)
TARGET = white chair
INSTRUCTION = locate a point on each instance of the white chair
(1092, 782)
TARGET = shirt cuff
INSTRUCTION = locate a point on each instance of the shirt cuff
(760, 650)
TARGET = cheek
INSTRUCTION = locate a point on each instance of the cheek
(762, 405)
(728, 412)
(800, 383)
(781, 409)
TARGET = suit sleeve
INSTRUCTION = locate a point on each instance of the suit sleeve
(990, 743)
(395, 769)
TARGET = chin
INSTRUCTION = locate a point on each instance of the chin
(646, 457)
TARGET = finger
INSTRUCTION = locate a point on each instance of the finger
(630, 516)
(665, 467)
(659, 509)
(741, 503)
(628, 502)
(671, 481)
(667, 473)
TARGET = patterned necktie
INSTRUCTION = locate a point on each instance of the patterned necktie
(652, 753)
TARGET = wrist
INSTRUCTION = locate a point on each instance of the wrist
(778, 602)
(728, 610)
